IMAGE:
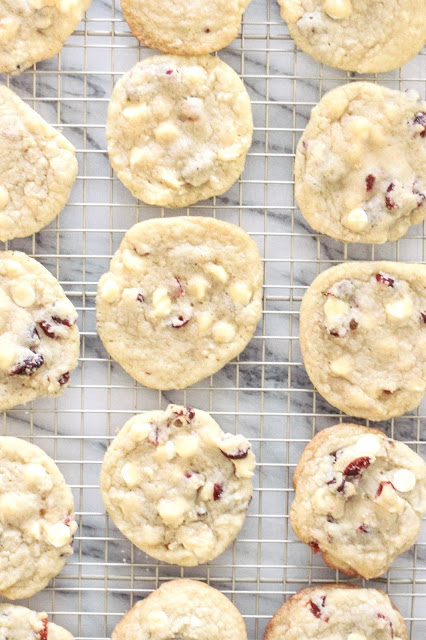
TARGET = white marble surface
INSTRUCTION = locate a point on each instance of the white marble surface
(266, 395)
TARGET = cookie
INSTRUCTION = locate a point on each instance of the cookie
(36, 519)
(363, 337)
(360, 168)
(179, 129)
(33, 30)
(38, 168)
(181, 299)
(185, 609)
(39, 339)
(360, 497)
(339, 612)
(357, 35)
(184, 29)
(20, 623)
(176, 485)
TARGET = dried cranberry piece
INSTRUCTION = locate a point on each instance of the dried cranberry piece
(387, 392)
(67, 520)
(330, 518)
(341, 487)
(335, 455)
(176, 288)
(169, 72)
(423, 315)
(390, 202)
(180, 321)
(239, 454)
(64, 378)
(317, 610)
(420, 118)
(188, 474)
(140, 298)
(369, 181)
(65, 321)
(363, 527)
(356, 467)
(353, 325)
(381, 485)
(34, 334)
(158, 435)
(217, 491)
(314, 546)
(382, 279)
(183, 415)
(43, 631)
(336, 334)
(28, 365)
(421, 197)
(333, 481)
(48, 329)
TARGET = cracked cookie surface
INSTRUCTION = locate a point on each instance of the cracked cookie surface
(20, 623)
(39, 339)
(179, 129)
(360, 497)
(181, 299)
(357, 35)
(176, 485)
(36, 519)
(185, 609)
(38, 168)
(363, 337)
(337, 613)
(360, 168)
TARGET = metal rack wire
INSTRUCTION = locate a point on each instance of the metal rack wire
(265, 394)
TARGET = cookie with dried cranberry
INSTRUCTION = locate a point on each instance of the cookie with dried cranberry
(185, 29)
(181, 299)
(39, 339)
(357, 35)
(360, 169)
(179, 129)
(360, 498)
(20, 623)
(343, 611)
(176, 485)
(36, 519)
(363, 337)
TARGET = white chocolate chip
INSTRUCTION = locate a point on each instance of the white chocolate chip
(400, 309)
(359, 127)
(140, 431)
(217, 271)
(169, 178)
(165, 452)
(324, 502)
(11, 268)
(355, 635)
(166, 133)
(404, 480)
(7, 356)
(223, 332)
(206, 492)
(333, 308)
(342, 366)
(204, 322)
(187, 446)
(140, 156)
(139, 113)
(245, 467)
(59, 534)
(22, 293)
(211, 435)
(4, 197)
(172, 511)
(338, 9)
(239, 292)
(131, 475)
(197, 287)
(369, 444)
(356, 220)
(161, 302)
(132, 261)
(158, 623)
(110, 291)
(35, 475)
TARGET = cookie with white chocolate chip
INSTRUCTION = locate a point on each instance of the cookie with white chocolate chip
(360, 497)
(357, 35)
(176, 485)
(38, 168)
(33, 30)
(363, 337)
(342, 612)
(360, 168)
(39, 339)
(181, 299)
(179, 129)
(20, 623)
(36, 519)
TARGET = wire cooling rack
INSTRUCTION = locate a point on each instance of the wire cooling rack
(265, 394)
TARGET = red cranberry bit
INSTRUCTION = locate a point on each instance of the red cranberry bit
(336, 334)
(48, 329)
(180, 321)
(421, 197)
(381, 485)
(381, 279)
(34, 334)
(387, 392)
(169, 72)
(176, 288)
(140, 298)
(341, 487)
(353, 325)
(64, 378)
(369, 181)
(356, 467)
(188, 474)
(382, 616)
(43, 631)
(217, 491)
(158, 435)
(67, 520)
(28, 365)
(330, 519)
(186, 413)
(65, 321)
(317, 610)
(420, 118)
(335, 455)
(207, 30)
(314, 546)
(423, 315)
(390, 202)
(333, 481)
(239, 454)
(363, 527)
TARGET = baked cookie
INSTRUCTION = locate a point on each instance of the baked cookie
(179, 129)
(357, 35)
(39, 339)
(176, 485)
(185, 609)
(340, 612)
(181, 299)
(36, 519)
(360, 497)
(363, 337)
(38, 168)
(360, 168)
(33, 30)
(186, 29)
(20, 623)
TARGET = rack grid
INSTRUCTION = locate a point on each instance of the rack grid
(265, 394)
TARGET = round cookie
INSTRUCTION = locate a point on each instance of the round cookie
(176, 485)
(39, 339)
(360, 497)
(360, 168)
(185, 29)
(182, 298)
(20, 623)
(38, 168)
(340, 612)
(179, 129)
(36, 519)
(185, 609)
(363, 337)
(33, 30)
(357, 35)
